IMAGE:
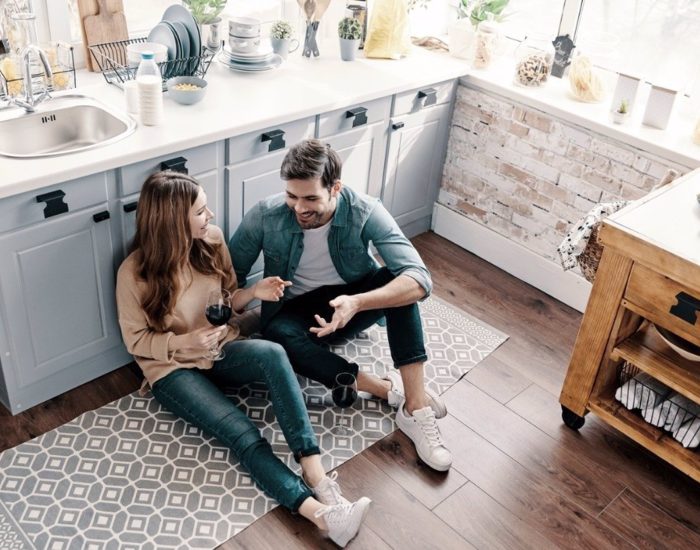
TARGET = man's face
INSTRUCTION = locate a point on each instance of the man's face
(312, 203)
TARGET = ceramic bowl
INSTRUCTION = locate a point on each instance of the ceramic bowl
(134, 51)
(243, 45)
(244, 27)
(186, 97)
(682, 347)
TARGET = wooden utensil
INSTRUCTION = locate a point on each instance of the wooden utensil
(102, 21)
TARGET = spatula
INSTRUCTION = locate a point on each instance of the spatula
(106, 26)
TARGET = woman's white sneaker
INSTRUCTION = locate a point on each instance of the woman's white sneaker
(397, 395)
(328, 491)
(343, 520)
(422, 429)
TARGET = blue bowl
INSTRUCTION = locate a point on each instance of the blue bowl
(186, 97)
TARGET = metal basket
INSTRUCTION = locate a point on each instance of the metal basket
(62, 63)
(111, 58)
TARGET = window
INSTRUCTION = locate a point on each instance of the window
(528, 17)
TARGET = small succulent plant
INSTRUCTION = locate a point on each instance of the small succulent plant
(623, 108)
(349, 29)
(281, 30)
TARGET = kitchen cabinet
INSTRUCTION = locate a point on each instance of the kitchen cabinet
(649, 271)
(58, 321)
(418, 133)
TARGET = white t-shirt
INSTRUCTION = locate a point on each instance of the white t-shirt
(315, 265)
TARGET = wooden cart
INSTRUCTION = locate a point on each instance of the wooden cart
(650, 270)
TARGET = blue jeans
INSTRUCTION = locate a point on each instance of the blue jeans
(196, 396)
(310, 355)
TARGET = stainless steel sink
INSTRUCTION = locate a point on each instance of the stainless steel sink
(61, 125)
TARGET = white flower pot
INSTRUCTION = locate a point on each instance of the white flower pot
(460, 38)
(348, 49)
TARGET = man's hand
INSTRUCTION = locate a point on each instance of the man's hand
(270, 289)
(345, 309)
(199, 340)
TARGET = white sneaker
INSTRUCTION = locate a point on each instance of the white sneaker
(397, 395)
(328, 491)
(343, 520)
(422, 429)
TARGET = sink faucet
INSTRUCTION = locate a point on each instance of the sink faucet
(30, 100)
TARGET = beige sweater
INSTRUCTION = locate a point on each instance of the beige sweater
(150, 347)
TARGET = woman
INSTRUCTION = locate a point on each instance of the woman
(177, 258)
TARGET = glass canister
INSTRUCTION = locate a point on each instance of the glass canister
(696, 133)
(534, 57)
(486, 42)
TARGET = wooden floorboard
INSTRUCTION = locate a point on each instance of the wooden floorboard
(520, 478)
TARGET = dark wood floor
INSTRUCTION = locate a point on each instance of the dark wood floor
(520, 479)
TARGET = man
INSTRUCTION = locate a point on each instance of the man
(317, 236)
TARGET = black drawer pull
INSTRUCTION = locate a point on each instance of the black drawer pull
(686, 308)
(101, 216)
(176, 165)
(130, 206)
(397, 125)
(358, 114)
(430, 95)
(276, 139)
(54, 203)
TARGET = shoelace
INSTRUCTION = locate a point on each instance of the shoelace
(430, 429)
(335, 513)
(334, 488)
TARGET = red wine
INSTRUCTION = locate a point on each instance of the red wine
(218, 315)
(344, 396)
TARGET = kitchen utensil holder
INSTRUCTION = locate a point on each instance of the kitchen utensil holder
(112, 61)
(62, 66)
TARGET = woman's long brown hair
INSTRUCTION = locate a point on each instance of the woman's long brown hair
(164, 245)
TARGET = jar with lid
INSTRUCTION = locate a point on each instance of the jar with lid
(486, 42)
(534, 57)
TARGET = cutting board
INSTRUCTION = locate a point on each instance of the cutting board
(101, 21)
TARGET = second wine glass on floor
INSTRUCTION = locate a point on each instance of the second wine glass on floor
(344, 394)
(218, 311)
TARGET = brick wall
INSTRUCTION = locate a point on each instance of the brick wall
(529, 176)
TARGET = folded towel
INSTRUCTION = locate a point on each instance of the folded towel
(671, 413)
(641, 392)
(689, 434)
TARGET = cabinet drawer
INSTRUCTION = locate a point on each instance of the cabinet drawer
(197, 160)
(56, 200)
(424, 97)
(665, 301)
(354, 116)
(265, 141)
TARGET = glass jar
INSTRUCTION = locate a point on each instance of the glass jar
(22, 31)
(485, 43)
(696, 134)
(534, 57)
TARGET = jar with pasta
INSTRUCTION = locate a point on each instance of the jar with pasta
(486, 42)
(533, 63)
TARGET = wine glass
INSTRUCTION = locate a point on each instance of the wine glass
(344, 394)
(218, 312)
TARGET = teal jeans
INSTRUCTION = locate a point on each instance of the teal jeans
(197, 397)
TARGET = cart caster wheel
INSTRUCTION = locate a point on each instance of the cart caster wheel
(571, 419)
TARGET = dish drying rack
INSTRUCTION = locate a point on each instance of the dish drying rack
(61, 59)
(112, 60)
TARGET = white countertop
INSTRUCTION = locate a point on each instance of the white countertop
(235, 103)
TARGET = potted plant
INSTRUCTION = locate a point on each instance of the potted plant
(281, 38)
(620, 114)
(350, 32)
(206, 13)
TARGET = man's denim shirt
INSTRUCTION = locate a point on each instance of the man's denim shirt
(359, 220)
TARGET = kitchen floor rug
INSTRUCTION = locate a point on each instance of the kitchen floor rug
(131, 475)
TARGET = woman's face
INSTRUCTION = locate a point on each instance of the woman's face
(200, 216)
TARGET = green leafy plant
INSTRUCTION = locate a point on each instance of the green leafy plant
(463, 9)
(623, 109)
(205, 11)
(482, 8)
(281, 30)
(349, 29)
(414, 4)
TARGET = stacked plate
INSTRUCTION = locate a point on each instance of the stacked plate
(261, 59)
(179, 33)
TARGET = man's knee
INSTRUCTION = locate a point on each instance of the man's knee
(281, 332)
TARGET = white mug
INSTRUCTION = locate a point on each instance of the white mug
(284, 46)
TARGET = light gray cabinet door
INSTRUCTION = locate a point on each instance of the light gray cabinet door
(57, 293)
(416, 152)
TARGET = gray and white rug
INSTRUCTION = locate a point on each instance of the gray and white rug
(131, 475)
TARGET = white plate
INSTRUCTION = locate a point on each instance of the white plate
(260, 54)
(181, 14)
(274, 61)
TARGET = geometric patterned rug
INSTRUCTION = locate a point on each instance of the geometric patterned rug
(130, 475)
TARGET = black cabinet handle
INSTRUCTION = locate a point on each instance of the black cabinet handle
(276, 139)
(429, 96)
(176, 165)
(358, 114)
(101, 216)
(130, 206)
(686, 308)
(397, 125)
(54, 203)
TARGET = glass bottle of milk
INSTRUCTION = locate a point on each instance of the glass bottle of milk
(150, 90)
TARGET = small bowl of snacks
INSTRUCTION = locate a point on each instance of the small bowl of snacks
(186, 90)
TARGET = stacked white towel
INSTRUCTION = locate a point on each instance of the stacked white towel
(641, 392)
(688, 434)
(671, 413)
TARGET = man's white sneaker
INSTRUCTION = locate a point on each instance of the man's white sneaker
(397, 396)
(328, 491)
(343, 520)
(422, 429)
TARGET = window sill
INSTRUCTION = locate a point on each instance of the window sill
(674, 143)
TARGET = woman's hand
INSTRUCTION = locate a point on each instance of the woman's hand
(270, 289)
(199, 340)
